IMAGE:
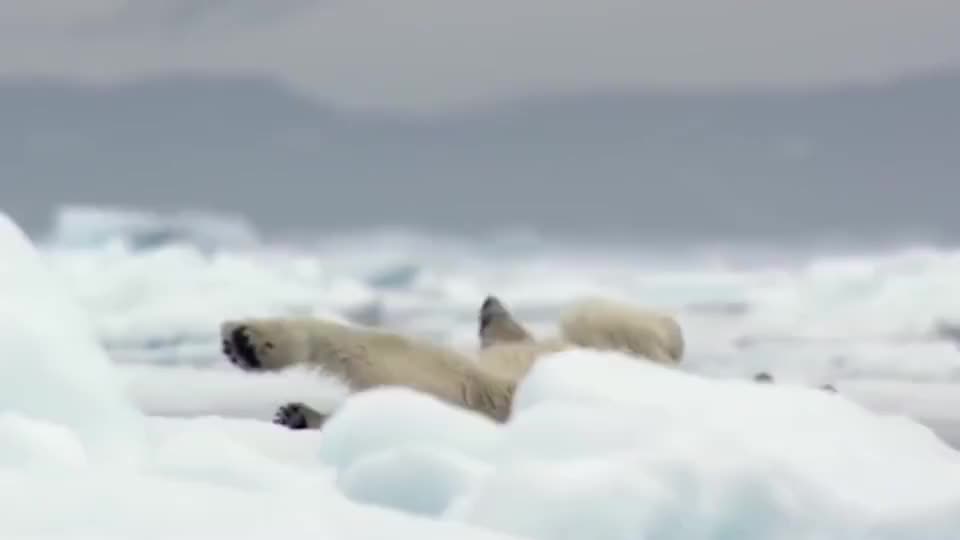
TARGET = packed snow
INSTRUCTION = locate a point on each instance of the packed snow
(201, 477)
(119, 419)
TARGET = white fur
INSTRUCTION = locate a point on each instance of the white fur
(593, 324)
(366, 358)
(608, 325)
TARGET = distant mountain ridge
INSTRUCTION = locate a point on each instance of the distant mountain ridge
(868, 161)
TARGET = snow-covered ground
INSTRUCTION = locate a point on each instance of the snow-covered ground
(118, 418)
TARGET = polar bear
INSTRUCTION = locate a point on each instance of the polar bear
(363, 358)
(593, 324)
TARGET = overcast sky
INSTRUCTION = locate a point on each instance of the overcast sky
(438, 53)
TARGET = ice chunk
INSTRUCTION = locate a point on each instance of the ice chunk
(416, 478)
(393, 417)
(51, 366)
(608, 448)
(655, 452)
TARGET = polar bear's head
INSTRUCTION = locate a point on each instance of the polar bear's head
(264, 344)
(497, 325)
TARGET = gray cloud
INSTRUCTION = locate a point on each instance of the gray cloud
(179, 14)
(83, 18)
(433, 53)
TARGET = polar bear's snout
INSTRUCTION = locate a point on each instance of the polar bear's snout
(491, 307)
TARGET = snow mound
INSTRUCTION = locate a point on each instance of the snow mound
(607, 448)
(600, 447)
(77, 460)
(53, 369)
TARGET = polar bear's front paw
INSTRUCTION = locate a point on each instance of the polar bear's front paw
(292, 415)
(298, 416)
(242, 348)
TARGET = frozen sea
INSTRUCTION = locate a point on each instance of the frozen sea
(120, 419)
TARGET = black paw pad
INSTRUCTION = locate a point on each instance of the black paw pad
(292, 416)
(244, 353)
